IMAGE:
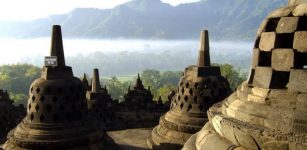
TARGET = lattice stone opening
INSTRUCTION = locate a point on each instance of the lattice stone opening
(284, 40)
(37, 107)
(265, 59)
(272, 24)
(280, 79)
(181, 106)
(186, 98)
(31, 116)
(33, 98)
(191, 91)
(196, 85)
(38, 90)
(302, 24)
(300, 60)
(187, 85)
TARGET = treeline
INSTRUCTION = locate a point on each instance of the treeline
(17, 79)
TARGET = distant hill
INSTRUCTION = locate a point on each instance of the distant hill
(153, 19)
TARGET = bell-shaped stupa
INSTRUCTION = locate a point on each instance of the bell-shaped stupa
(57, 114)
(200, 87)
(269, 110)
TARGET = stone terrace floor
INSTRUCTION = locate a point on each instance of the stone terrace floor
(131, 139)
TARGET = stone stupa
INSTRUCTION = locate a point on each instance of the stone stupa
(269, 110)
(57, 115)
(200, 87)
(100, 105)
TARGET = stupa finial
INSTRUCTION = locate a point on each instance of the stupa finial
(204, 54)
(57, 45)
(95, 82)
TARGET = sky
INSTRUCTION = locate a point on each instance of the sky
(16, 10)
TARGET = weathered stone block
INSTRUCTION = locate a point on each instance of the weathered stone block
(300, 41)
(256, 99)
(260, 92)
(298, 80)
(262, 77)
(287, 25)
(295, 2)
(255, 58)
(281, 12)
(282, 59)
(267, 41)
(300, 10)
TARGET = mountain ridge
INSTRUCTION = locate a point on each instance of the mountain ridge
(153, 19)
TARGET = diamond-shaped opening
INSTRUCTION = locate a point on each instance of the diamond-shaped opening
(181, 106)
(179, 97)
(48, 107)
(29, 106)
(181, 83)
(54, 99)
(33, 98)
(272, 24)
(284, 40)
(191, 91)
(61, 108)
(31, 89)
(31, 117)
(265, 59)
(42, 98)
(189, 107)
(302, 22)
(36, 107)
(38, 90)
(186, 98)
(187, 85)
(182, 90)
(257, 42)
(42, 118)
(48, 90)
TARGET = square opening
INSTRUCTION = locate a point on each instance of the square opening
(302, 24)
(265, 59)
(300, 60)
(280, 79)
(272, 24)
(284, 40)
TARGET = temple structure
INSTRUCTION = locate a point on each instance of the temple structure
(10, 115)
(100, 105)
(57, 114)
(268, 111)
(199, 88)
(139, 109)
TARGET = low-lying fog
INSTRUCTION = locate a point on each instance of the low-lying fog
(90, 52)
